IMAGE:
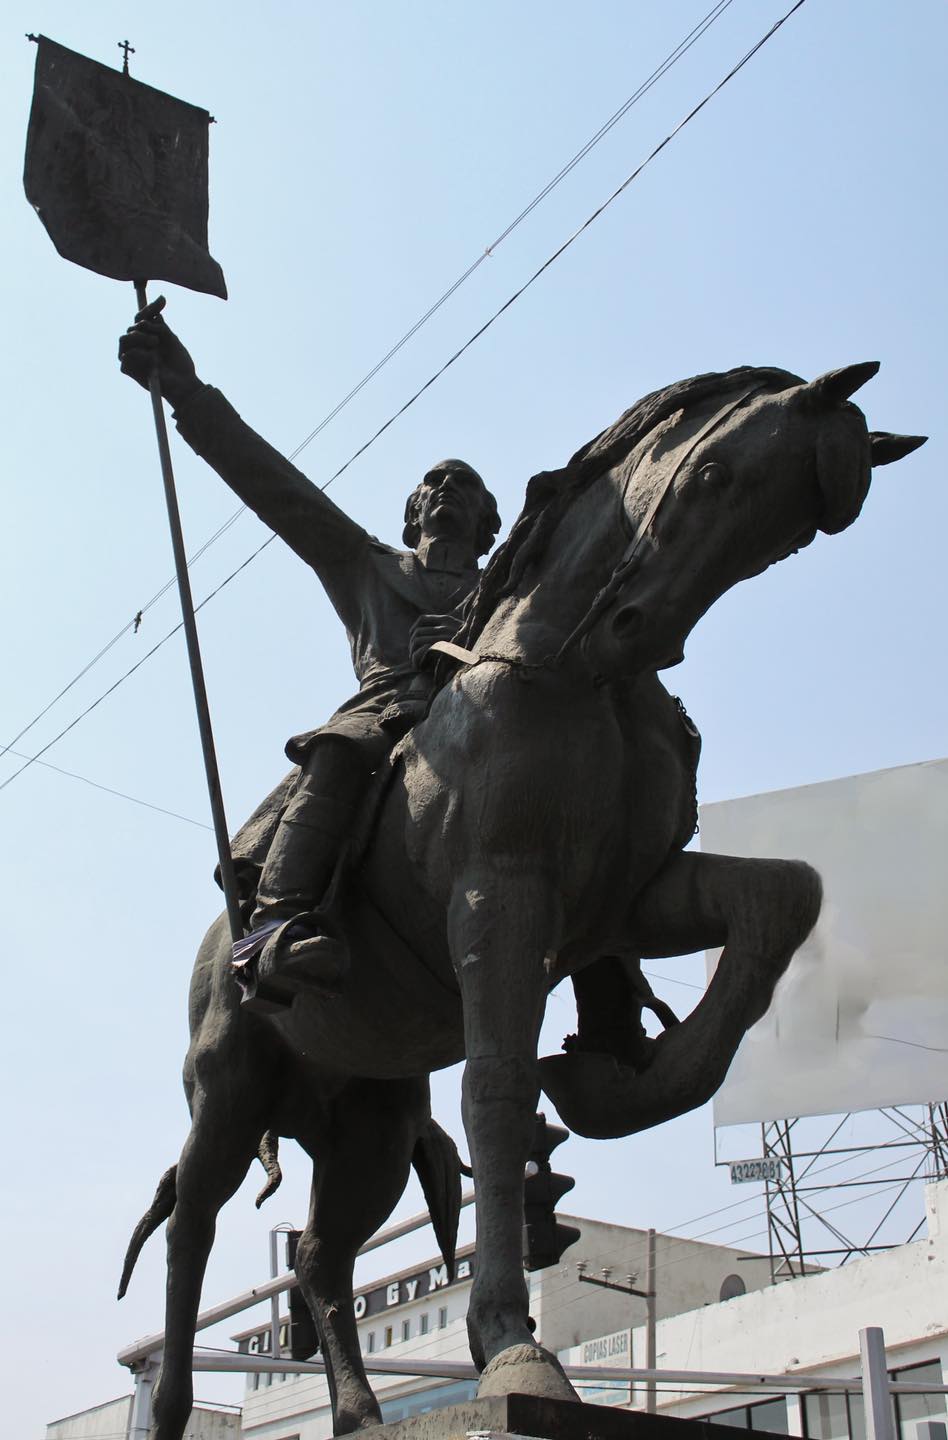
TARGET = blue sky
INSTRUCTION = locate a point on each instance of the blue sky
(364, 156)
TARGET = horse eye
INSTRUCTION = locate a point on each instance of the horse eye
(714, 473)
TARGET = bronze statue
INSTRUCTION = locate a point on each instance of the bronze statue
(393, 605)
(531, 827)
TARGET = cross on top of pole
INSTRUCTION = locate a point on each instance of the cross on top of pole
(127, 50)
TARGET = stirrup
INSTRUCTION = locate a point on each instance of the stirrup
(285, 958)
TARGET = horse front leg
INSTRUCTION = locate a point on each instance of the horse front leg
(500, 925)
(761, 911)
(225, 1131)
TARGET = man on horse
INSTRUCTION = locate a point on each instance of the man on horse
(394, 605)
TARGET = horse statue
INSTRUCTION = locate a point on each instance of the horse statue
(532, 827)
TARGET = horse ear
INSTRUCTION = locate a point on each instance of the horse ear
(884, 447)
(837, 385)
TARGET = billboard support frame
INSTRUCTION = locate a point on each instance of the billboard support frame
(790, 1215)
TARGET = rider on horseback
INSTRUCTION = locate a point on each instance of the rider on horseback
(394, 605)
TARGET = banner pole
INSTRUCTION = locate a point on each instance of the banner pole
(221, 834)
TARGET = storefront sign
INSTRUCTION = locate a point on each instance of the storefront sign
(415, 1285)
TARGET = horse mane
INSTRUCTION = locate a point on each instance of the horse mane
(551, 492)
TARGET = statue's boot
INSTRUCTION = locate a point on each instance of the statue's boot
(282, 958)
(295, 944)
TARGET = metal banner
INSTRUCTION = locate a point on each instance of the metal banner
(117, 172)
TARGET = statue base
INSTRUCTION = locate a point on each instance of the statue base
(501, 1416)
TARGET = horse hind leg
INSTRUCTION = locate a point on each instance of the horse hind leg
(224, 1138)
(357, 1182)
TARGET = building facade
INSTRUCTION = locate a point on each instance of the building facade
(111, 1420)
(809, 1325)
(419, 1314)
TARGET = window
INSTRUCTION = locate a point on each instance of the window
(842, 1417)
(769, 1415)
(423, 1324)
(834, 1417)
(370, 1343)
(910, 1410)
(423, 1401)
(732, 1286)
(443, 1318)
(388, 1336)
(406, 1329)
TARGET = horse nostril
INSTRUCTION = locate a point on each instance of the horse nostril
(627, 622)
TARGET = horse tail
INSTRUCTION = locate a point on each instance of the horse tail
(269, 1157)
(159, 1209)
(166, 1195)
(438, 1167)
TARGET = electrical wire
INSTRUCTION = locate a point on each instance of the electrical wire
(561, 250)
(662, 1269)
(32, 759)
(436, 1337)
(671, 59)
(681, 49)
(108, 790)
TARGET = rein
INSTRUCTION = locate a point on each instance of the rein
(620, 574)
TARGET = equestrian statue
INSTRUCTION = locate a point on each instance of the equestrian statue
(506, 803)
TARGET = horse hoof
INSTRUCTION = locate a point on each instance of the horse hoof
(526, 1370)
(601, 1099)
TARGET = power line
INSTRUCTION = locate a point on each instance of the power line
(671, 59)
(32, 759)
(561, 250)
(570, 240)
(108, 790)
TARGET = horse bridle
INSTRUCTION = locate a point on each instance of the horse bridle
(610, 591)
(605, 597)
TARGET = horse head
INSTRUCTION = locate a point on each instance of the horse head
(720, 489)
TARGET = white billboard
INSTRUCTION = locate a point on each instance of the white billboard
(860, 1019)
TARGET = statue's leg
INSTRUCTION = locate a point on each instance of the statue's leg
(761, 911)
(225, 1132)
(358, 1179)
(610, 996)
(501, 924)
(312, 831)
(310, 951)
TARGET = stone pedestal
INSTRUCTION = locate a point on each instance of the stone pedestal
(502, 1416)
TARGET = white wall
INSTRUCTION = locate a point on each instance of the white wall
(688, 1273)
(812, 1324)
(103, 1422)
(110, 1422)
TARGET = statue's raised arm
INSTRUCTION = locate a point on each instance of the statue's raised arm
(297, 510)
(393, 603)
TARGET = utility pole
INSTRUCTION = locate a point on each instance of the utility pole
(648, 1295)
(650, 1398)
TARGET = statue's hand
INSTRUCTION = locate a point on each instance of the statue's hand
(149, 345)
(425, 631)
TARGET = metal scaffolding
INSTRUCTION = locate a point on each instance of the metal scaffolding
(814, 1162)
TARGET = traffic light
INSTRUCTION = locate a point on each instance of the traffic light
(303, 1337)
(544, 1237)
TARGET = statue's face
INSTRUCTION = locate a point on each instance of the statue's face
(450, 504)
